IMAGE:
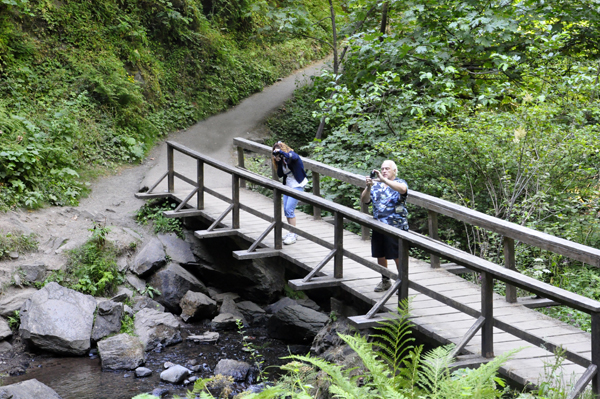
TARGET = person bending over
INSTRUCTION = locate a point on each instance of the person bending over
(388, 194)
(290, 167)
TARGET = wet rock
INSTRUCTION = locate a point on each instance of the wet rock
(255, 279)
(308, 303)
(5, 347)
(154, 327)
(142, 372)
(13, 299)
(197, 306)
(208, 337)
(168, 365)
(143, 302)
(178, 250)
(221, 296)
(149, 259)
(27, 390)
(296, 324)
(108, 320)
(280, 304)
(121, 352)
(5, 330)
(223, 322)
(228, 306)
(173, 281)
(58, 319)
(175, 374)
(160, 392)
(328, 336)
(136, 282)
(253, 313)
(233, 368)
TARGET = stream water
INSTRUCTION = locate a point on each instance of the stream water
(83, 378)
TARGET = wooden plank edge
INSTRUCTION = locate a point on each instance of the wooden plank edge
(362, 322)
(533, 302)
(222, 232)
(152, 195)
(183, 214)
(257, 254)
(315, 282)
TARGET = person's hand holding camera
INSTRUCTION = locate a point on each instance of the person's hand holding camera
(374, 175)
(276, 152)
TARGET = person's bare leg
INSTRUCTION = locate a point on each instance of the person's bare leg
(385, 281)
(292, 221)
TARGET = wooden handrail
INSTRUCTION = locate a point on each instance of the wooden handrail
(406, 239)
(570, 249)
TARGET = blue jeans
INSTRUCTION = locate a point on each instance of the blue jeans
(289, 204)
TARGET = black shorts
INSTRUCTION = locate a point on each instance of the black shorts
(384, 246)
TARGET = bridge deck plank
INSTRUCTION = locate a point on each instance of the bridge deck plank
(431, 317)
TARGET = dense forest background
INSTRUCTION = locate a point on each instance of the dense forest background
(90, 85)
(493, 105)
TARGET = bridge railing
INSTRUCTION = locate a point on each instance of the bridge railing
(489, 271)
(511, 232)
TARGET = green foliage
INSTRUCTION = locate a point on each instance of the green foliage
(18, 242)
(145, 396)
(92, 268)
(150, 291)
(14, 321)
(152, 211)
(290, 293)
(127, 324)
(255, 356)
(88, 85)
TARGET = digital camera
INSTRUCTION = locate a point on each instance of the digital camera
(374, 175)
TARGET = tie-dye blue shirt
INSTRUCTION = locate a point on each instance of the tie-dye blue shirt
(389, 206)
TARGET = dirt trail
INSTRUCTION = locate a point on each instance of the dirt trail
(112, 199)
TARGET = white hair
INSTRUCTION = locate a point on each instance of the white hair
(394, 167)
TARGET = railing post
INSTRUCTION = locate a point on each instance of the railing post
(365, 232)
(403, 251)
(171, 169)
(316, 189)
(432, 224)
(200, 181)
(277, 213)
(510, 263)
(338, 244)
(596, 353)
(240, 152)
(273, 171)
(487, 311)
(235, 198)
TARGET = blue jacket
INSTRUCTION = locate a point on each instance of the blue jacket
(294, 163)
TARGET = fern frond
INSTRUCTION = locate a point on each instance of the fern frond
(379, 370)
(394, 338)
(435, 369)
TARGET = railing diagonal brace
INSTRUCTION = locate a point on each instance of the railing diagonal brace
(585, 379)
(158, 182)
(375, 309)
(186, 199)
(317, 269)
(468, 336)
(220, 218)
(262, 237)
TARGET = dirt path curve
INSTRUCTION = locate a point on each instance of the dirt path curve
(112, 199)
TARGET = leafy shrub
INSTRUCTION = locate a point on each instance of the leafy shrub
(92, 268)
(152, 211)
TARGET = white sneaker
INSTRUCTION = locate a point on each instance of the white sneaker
(290, 239)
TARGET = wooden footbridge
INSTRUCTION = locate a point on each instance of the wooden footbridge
(444, 306)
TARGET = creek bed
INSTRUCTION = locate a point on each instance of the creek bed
(83, 378)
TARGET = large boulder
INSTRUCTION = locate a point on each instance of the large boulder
(27, 390)
(173, 281)
(144, 302)
(253, 313)
(233, 368)
(58, 319)
(259, 280)
(175, 374)
(149, 259)
(197, 306)
(121, 352)
(154, 327)
(5, 330)
(229, 306)
(178, 250)
(296, 324)
(13, 299)
(108, 320)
